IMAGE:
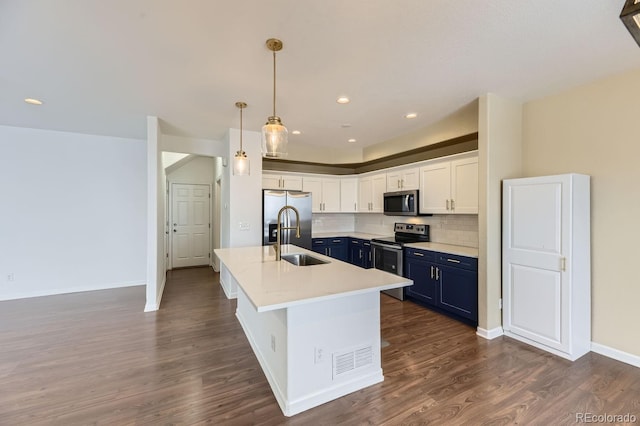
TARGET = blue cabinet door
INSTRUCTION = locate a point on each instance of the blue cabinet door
(458, 291)
(320, 245)
(419, 267)
(338, 249)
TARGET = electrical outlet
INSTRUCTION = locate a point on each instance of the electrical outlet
(273, 343)
(319, 355)
(11, 277)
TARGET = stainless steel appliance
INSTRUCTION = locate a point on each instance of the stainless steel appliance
(401, 203)
(272, 202)
(386, 252)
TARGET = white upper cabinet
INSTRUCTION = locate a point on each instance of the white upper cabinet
(349, 194)
(403, 179)
(371, 189)
(449, 187)
(325, 193)
(281, 181)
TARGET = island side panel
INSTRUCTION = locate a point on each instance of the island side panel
(228, 282)
(333, 349)
(266, 332)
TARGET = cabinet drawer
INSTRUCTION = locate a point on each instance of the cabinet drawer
(412, 253)
(458, 261)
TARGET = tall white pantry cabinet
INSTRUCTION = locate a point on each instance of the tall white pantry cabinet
(546, 263)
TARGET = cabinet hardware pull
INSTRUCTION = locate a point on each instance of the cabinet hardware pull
(431, 271)
(437, 273)
(563, 263)
(447, 204)
(354, 242)
(337, 241)
(360, 251)
(418, 254)
(329, 251)
(453, 260)
(401, 183)
(453, 205)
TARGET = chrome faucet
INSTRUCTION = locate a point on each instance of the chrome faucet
(280, 228)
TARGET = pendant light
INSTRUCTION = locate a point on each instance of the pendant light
(274, 134)
(240, 160)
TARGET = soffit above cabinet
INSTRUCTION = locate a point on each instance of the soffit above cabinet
(457, 145)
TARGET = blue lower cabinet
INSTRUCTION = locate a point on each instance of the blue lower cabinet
(332, 247)
(359, 252)
(419, 266)
(449, 283)
(459, 291)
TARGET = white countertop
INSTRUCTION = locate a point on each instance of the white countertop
(271, 285)
(352, 234)
(446, 248)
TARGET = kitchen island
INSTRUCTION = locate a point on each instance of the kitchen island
(315, 330)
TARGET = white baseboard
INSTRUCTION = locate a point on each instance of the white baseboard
(154, 306)
(79, 289)
(490, 334)
(616, 354)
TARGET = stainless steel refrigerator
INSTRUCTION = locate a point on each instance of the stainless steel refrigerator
(272, 202)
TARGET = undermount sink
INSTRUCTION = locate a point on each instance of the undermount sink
(303, 259)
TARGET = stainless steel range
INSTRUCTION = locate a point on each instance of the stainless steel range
(386, 252)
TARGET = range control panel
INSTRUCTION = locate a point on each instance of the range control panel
(411, 228)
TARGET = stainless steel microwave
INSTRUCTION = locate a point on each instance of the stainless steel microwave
(401, 203)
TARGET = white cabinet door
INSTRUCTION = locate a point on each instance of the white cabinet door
(435, 188)
(378, 188)
(546, 263)
(292, 183)
(331, 195)
(411, 178)
(394, 181)
(271, 181)
(464, 186)
(314, 186)
(280, 181)
(365, 189)
(349, 195)
(403, 179)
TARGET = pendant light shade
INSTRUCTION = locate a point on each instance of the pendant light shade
(240, 160)
(274, 135)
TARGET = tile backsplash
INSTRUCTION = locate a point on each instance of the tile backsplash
(459, 229)
(336, 222)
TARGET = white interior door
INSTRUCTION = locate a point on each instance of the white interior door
(534, 288)
(190, 228)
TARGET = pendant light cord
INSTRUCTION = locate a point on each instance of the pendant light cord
(241, 129)
(274, 83)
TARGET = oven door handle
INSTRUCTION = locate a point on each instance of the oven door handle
(392, 247)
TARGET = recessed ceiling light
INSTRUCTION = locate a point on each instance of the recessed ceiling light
(351, 140)
(33, 101)
(343, 100)
(345, 125)
(411, 115)
(295, 132)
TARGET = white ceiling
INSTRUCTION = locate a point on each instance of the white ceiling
(102, 66)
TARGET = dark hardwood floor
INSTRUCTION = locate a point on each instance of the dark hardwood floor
(96, 358)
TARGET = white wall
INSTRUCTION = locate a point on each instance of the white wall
(593, 129)
(156, 256)
(73, 212)
(499, 157)
(245, 193)
(198, 170)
